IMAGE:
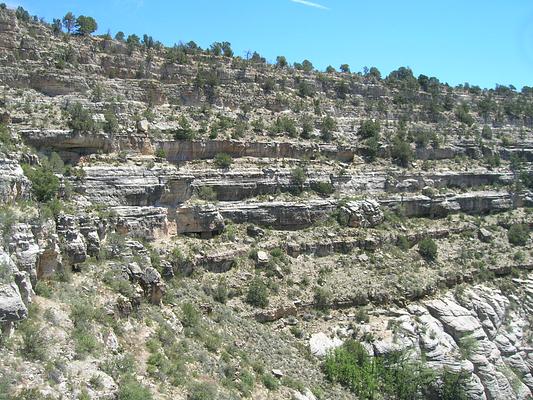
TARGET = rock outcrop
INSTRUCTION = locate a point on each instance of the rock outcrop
(364, 214)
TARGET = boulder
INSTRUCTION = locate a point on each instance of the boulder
(485, 235)
(255, 231)
(320, 344)
(143, 126)
(273, 314)
(262, 259)
(12, 307)
(361, 214)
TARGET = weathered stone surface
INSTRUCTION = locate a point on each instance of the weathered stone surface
(12, 307)
(363, 213)
(72, 240)
(482, 317)
(485, 235)
(275, 313)
(153, 285)
(196, 219)
(143, 126)
(279, 215)
(24, 249)
(262, 259)
(13, 183)
(145, 222)
(320, 344)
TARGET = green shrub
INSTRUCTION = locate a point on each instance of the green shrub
(493, 160)
(518, 234)
(428, 249)
(463, 114)
(44, 183)
(202, 391)
(401, 152)
(323, 188)
(468, 346)
(394, 376)
(220, 294)
(298, 178)
(43, 289)
(160, 153)
(307, 128)
(130, 389)
(184, 131)
(486, 132)
(6, 140)
(6, 275)
(270, 382)
(285, 125)
(369, 129)
(82, 314)
(81, 119)
(257, 294)
(223, 160)
(190, 315)
(85, 342)
(119, 366)
(327, 127)
(372, 147)
(207, 193)
(322, 298)
(34, 341)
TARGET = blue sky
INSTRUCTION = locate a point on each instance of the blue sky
(480, 42)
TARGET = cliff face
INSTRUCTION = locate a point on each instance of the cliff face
(220, 224)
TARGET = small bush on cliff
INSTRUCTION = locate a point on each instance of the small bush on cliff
(81, 120)
(130, 389)
(428, 249)
(401, 152)
(44, 183)
(393, 376)
(111, 124)
(257, 294)
(34, 341)
(223, 160)
(323, 188)
(327, 127)
(298, 178)
(202, 391)
(185, 131)
(160, 153)
(369, 129)
(207, 193)
(190, 315)
(322, 298)
(284, 125)
(518, 234)
(6, 141)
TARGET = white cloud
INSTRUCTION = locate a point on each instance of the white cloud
(310, 4)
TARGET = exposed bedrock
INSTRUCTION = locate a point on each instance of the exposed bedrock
(471, 203)
(13, 183)
(136, 185)
(193, 150)
(299, 215)
(479, 331)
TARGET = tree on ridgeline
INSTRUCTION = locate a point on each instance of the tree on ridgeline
(69, 21)
(85, 25)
